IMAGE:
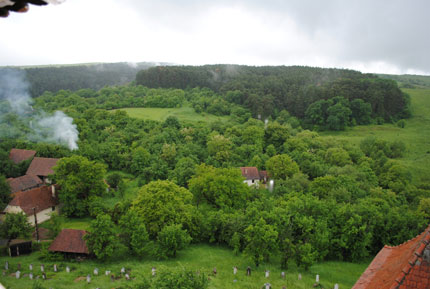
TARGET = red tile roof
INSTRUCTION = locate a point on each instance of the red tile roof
(41, 166)
(24, 183)
(70, 241)
(19, 155)
(400, 267)
(39, 198)
(250, 173)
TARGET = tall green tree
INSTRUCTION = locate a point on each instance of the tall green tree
(102, 239)
(15, 226)
(79, 179)
(163, 203)
(282, 167)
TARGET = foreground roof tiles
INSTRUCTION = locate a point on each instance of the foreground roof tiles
(70, 241)
(250, 173)
(42, 166)
(400, 267)
(40, 198)
(19, 155)
(24, 183)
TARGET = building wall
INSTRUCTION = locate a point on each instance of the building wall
(250, 183)
(42, 216)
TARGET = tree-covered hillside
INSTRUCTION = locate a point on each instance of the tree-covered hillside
(74, 77)
(322, 98)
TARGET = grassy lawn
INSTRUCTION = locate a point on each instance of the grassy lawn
(416, 134)
(184, 114)
(201, 258)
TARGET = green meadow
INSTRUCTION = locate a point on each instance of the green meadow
(184, 114)
(415, 134)
(201, 258)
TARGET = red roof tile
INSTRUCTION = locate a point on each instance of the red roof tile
(250, 173)
(70, 241)
(401, 266)
(41, 166)
(19, 155)
(24, 183)
(39, 198)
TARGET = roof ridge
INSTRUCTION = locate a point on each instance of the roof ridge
(425, 238)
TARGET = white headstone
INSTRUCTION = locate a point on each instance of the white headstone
(336, 286)
(300, 276)
(42, 268)
(267, 273)
(317, 278)
(55, 267)
(31, 276)
(107, 273)
(96, 271)
(30, 267)
(18, 274)
(6, 265)
(122, 270)
(88, 278)
(68, 269)
(234, 270)
(127, 277)
(267, 285)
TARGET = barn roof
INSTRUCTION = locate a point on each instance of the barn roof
(70, 241)
(19, 155)
(401, 267)
(24, 183)
(250, 173)
(42, 166)
(40, 198)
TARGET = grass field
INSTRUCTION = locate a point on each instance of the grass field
(201, 258)
(416, 134)
(184, 114)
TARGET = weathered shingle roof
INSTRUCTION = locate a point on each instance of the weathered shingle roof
(19, 155)
(42, 166)
(24, 183)
(250, 173)
(70, 241)
(40, 198)
(400, 267)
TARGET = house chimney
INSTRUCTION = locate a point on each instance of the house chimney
(53, 191)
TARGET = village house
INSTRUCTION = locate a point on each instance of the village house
(251, 175)
(42, 167)
(20, 155)
(41, 201)
(24, 183)
(406, 266)
(70, 242)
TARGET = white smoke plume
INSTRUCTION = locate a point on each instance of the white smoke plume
(43, 127)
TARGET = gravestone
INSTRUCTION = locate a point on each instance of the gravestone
(55, 267)
(88, 278)
(18, 274)
(68, 269)
(317, 278)
(122, 270)
(30, 267)
(44, 276)
(283, 275)
(107, 273)
(336, 286)
(248, 271)
(300, 276)
(42, 268)
(6, 265)
(267, 272)
(154, 271)
(234, 270)
(267, 286)
(127, 277)
(96, 271)
(30, 276)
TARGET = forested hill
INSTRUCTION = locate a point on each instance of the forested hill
(309, 93)
(409, 80)
(75, 77)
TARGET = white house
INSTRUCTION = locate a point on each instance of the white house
(251, 175)
(42, 201)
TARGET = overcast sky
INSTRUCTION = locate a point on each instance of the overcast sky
(387, 36)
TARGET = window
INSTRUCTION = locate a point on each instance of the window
(53, 208)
